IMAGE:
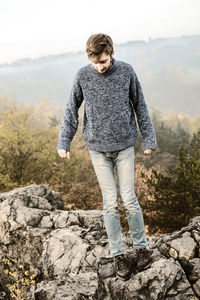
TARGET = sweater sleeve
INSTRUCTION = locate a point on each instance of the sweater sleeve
(70, 122)
(142, 113)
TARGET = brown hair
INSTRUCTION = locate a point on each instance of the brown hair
(97, 44)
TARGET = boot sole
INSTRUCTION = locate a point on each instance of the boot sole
(144, 267)
(123, 278)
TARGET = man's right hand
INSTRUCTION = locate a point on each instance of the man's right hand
(63, 153)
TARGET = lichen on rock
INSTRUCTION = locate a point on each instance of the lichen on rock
(67, 253)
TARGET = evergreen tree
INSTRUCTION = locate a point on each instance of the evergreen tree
(169, 139)
(175, 197)
(54, 121)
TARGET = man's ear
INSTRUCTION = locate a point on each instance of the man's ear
(113, 53)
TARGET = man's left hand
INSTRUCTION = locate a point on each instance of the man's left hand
(148, 151)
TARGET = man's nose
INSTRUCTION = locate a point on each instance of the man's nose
(100, 67)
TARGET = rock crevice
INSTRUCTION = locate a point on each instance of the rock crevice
(67, 251)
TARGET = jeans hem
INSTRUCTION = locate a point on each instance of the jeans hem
(118, 253)
(140, 247)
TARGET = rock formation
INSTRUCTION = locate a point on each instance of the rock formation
(66, 256)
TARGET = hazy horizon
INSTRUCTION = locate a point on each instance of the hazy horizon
(33, 29)
(83, 50)
(168, 69)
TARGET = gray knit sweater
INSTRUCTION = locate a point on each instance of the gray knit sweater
(113, 101)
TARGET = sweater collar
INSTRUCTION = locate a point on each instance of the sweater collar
(111, 69)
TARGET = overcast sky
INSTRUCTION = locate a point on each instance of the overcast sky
(34, 28)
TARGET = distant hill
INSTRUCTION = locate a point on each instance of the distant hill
(168, 69)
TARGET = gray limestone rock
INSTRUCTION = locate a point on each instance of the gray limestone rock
(194, 269)
(165, 279)
(185, 246)
(173, 274)
(67, 251)
(59, 247)
(196, 288)
(67, 288)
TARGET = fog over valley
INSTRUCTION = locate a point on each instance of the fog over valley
(168, 70)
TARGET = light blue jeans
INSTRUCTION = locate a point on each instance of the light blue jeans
(104, 163)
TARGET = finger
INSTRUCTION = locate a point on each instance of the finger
(150, 151)
(62, 153)
(147, 151)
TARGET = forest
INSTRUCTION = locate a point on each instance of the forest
(166, 183)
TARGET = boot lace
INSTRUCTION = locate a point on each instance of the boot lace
(122, 264)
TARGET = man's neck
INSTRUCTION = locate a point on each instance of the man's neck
(111, 63)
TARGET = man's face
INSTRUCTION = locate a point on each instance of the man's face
(103, 63)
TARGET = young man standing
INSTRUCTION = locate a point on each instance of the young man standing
(113, 100)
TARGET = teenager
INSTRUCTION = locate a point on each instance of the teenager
(114, 101)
